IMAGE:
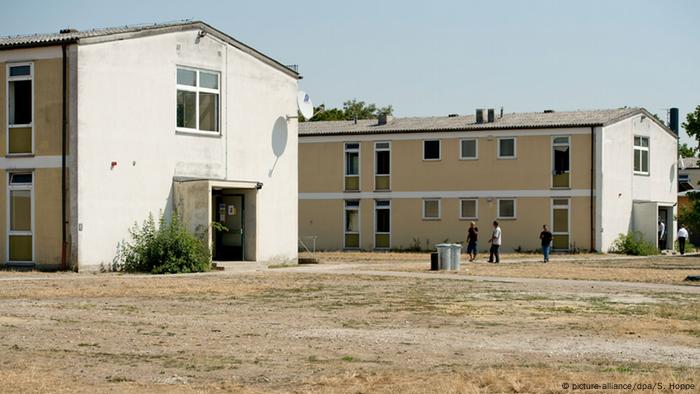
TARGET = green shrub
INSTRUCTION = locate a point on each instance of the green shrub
(633, 244)
(168, 248)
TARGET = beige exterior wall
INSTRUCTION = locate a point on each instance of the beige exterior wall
(47, 95)
(324, 219)
(321, 166)
(47, 84)
(47, 216)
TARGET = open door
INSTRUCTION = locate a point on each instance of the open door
(229, 211)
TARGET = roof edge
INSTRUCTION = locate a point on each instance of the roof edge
(643, 111)
(456, 130)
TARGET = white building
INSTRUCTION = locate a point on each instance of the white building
(159, 117)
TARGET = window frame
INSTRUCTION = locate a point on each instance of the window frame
(554, 206)
(346, 150)
(554, 145)
(9, 79)
(439, 209)
(378, 207)
(347, 208)
(439, 141)
(515, 148)
(197, 90)
(476, 208)
(515, 209)
(476, 149)
(8, 225)
(642, 149)
(388, 149)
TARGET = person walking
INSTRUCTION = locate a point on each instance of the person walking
(546, 238)
(682, 236)
(495, 242)
(662, 234)
(472, 236)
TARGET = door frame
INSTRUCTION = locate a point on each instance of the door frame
(216, 204)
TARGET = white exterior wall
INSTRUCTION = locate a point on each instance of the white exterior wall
(127, 113)
(618, 188)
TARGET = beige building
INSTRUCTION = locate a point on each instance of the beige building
(410, 183)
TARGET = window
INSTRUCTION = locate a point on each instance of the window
(431, 208)
(468, 209)
(197, 100)
(431, 150)
(20, 235)
(382, 224)
(20, 109)
(382, 166)
(352, 167)
(352, 224)
(506, 148)
(560, 224)
(468, 149)
(561, 162)
(641, 155)
(506, 209)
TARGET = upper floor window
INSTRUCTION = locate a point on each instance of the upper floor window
(431, 150)
(198, 104)
(352, 166)
(641, 155)
(506, 148)
(561, 162)
(20, 109)
(382, 165)
(468, 149)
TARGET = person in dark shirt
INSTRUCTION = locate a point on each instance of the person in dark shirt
(546, 237)
(472, 236)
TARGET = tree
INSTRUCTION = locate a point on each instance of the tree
(690, 214)
(686, 151)
(692, 124)
(352, 109)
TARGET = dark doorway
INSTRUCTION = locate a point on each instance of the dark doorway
(229, 211)
(665, 228)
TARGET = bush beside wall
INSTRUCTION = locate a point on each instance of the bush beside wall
(633, 244)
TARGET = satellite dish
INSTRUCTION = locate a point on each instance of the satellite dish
(306, 107)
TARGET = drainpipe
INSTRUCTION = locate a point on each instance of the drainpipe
(64, 124)
(593, 169)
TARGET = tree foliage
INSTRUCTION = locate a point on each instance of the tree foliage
(690, 214)
(692, 124)
(352, 109)
(686, 151)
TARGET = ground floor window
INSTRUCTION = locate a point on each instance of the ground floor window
(506, 208)
(20, 221)
(431, 208)
(352, 224)
(560, 224)
(382, 224)
(468, 209)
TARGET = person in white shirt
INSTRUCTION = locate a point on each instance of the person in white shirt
(495, 243)
(682, 236)
(662, 234)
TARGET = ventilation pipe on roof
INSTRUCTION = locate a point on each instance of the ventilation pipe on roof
(384, 119)
(479, 115)
(491, 115)
(673, 120)
(68, 30)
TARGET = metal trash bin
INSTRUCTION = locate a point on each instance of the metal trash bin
(455, 258)
(434, 266)
(444, 256)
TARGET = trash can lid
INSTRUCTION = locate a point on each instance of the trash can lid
(443, 245)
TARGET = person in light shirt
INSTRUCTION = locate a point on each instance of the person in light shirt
(682, 236)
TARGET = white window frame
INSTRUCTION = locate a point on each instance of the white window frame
(30, 188)
(515, 209)
(476, 149)
(197, 89)
(9, 79)
(439, 202)
(515, 148)
(375, 163)
(476, 209)
(359, 165)
(643, 149)
(554, 206)
(374, 228)
(439, 141)
(554, 145)
(345, 224)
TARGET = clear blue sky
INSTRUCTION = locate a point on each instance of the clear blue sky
(440, 57)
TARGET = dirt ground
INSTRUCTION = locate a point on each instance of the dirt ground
(339, 328)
